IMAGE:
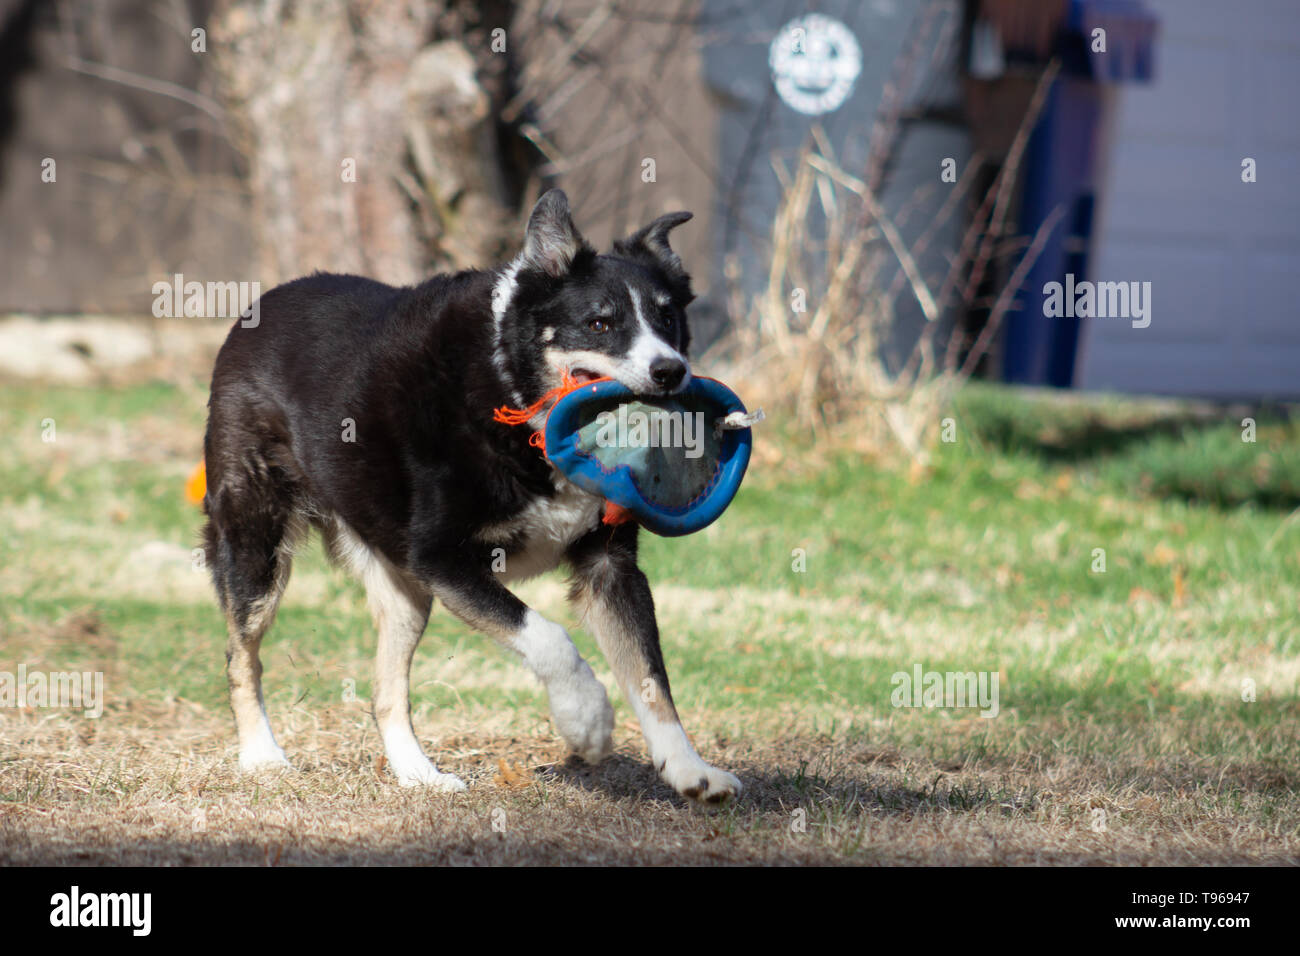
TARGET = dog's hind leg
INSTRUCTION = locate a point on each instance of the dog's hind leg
(613, 599)
(250, 549)
(400, 608)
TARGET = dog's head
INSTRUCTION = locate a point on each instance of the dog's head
(560, 309)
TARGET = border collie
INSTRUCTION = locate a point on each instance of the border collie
(365, 411)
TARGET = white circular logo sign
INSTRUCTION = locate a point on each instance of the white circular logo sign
(815, 60)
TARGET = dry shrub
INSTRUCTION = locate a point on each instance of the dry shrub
(825, 369)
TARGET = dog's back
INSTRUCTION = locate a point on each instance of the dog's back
(321, 406)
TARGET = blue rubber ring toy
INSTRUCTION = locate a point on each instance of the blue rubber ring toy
(667, 460)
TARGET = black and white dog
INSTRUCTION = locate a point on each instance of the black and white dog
(366, 411)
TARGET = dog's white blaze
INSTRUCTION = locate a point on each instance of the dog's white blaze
(503, 291)
(647, 348)
(579, 705)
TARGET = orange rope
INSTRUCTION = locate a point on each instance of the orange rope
(522, 416)
(614, 514)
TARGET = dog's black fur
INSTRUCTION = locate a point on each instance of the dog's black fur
(428, 480)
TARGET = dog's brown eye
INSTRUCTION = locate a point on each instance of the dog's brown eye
(598, 325)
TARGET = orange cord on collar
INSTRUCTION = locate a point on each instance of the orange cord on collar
(614, 514)
(522, 416)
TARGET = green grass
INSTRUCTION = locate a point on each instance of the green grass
(984, 563)
(995, 544)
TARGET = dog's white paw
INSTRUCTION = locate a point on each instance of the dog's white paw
(583, 715)
(409, 764)
(696, 780)
(263, 756)
(422, 773)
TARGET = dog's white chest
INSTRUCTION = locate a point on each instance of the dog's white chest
(548, 526)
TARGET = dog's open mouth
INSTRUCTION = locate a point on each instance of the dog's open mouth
(582, 376)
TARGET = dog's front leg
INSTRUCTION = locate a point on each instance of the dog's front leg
(580, 707)
(613, 599)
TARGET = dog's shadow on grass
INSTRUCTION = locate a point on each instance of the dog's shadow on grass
(780, 791)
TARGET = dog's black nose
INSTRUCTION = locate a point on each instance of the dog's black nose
(667, 372)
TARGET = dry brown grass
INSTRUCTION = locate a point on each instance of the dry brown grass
(155, 784)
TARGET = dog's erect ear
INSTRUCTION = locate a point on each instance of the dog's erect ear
(654, 240)
(552, 240)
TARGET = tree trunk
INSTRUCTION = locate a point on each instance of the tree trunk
(373, 145)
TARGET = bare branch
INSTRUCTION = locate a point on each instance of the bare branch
(150, 85)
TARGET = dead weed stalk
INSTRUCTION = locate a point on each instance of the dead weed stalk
(815, 342)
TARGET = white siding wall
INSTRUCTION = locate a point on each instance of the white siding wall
(1223, 256)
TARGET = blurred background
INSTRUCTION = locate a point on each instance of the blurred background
(868, 176)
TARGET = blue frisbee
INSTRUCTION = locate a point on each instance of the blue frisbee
(673, 462)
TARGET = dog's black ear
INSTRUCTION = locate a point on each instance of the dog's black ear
(552, 240)
(654, 240)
